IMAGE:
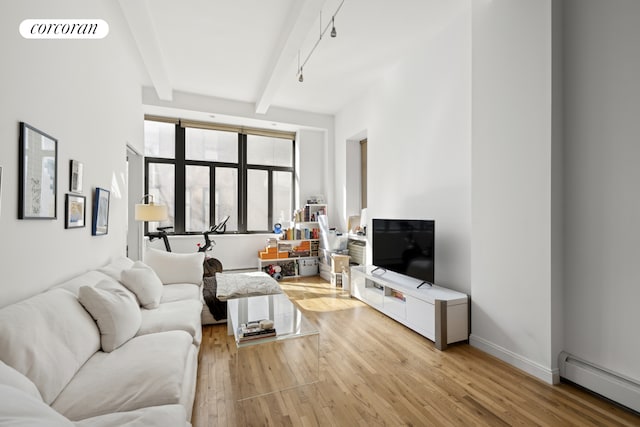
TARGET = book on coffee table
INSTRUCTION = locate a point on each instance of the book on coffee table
(253, 330)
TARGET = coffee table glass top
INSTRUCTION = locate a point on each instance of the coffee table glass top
(289, 322)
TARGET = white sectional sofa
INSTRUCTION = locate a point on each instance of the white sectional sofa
(85, 353)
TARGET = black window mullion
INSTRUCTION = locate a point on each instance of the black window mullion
(180, 179)
(242, 185)
(293, 174)
(270, 199)
(212, 195)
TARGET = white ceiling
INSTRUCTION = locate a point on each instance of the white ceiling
(247, 50)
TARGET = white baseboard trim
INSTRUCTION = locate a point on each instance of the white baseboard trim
(550, 376)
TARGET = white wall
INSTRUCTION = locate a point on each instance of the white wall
(417, 121)
(312, 164)
(512, 265)
(602, 100)
(85, 93)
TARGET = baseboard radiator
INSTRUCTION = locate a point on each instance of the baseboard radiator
(624, 391)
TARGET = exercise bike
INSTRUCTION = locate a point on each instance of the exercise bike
(162, 233)
(211, 265)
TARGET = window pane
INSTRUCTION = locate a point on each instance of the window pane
(211, 145)
(159, 139)
(162, 188)
(282, 210)
(262, 150)
(196, 198)
(257, 200)
(227, 197)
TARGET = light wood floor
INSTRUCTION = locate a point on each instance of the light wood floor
(374, 371)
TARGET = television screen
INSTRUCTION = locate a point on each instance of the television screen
(405, 247)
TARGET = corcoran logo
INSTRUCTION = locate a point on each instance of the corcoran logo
(64, 29)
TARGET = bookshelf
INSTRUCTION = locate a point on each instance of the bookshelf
(297, 252)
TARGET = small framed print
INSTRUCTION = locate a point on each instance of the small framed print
(75, 176)
(100, 212)
(74, 211)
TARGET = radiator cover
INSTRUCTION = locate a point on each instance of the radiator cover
(611, 385)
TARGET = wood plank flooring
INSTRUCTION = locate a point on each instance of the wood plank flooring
(376, 372)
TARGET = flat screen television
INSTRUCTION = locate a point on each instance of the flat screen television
(405, 246)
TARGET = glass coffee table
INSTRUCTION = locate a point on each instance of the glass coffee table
(267, 365)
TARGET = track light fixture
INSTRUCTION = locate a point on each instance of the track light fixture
(333, 33)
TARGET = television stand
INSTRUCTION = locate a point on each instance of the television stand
(424, 282)
(439, 314)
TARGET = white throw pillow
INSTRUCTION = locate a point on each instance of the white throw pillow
(115, 311)
(145, 283)
(176, 268)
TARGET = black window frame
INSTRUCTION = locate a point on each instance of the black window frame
(180, 165)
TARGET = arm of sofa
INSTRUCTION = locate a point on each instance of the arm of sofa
(172, 267)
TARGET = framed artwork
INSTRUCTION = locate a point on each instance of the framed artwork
(38, 172)
(75, 176)
(100, 212)
(74, 211)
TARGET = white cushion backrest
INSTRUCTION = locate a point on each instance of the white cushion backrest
(13, 378)
(47, 338)
(176, 268)
(18, 408)
(115, 311)
(90, 278)
(115, 268)
(144, 283)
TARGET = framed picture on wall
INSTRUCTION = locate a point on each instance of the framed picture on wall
(74, 211)
(100, 212)
(38, 172)
(75, 176)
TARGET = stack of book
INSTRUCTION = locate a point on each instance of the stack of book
(253, 330)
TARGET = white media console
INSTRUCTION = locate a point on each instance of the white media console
(440, 314)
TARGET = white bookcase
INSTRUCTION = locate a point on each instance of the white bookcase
(304, 222)
(439, 314)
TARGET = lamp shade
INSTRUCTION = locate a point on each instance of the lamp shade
(151, 212)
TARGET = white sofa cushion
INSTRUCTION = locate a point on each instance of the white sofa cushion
(18, 408)
(47, 338)
(181, 292)
(13, 378)
(165, 415)
(115, 268)
(174, 316)
(90, 278)
(172, 267)
(115, 311)
(148, 370)
(145, 283)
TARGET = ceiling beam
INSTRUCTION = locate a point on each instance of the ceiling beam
(301, 18)
(143, 31)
